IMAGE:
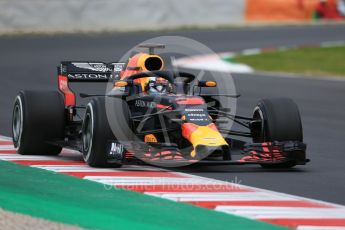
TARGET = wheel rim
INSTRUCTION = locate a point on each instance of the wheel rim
(258, 115)
(17, 124)
(87, 133)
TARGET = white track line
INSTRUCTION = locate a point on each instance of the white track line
(7, 147)
(306, 227)
(4, 138)
(147, 180)
(13, 157)
(72, 168)
(220, 196)
(282, 212)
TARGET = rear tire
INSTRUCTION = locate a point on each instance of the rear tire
(96, 131)
(280, 121)
(38, 117)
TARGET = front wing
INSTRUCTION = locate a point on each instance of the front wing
(267, 153)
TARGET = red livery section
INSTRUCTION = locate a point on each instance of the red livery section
(69, 96)
(190, 101)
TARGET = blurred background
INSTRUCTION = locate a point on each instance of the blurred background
(89, 15)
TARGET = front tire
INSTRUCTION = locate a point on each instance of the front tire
(97, 133)
(38, 118)
(280, 121)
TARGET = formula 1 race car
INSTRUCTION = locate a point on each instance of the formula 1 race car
(152, 116)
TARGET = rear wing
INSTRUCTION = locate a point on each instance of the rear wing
(90, 71)
(76, 71)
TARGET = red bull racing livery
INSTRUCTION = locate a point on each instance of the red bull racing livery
(154, 116)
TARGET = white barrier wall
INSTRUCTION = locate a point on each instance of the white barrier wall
(97, 15)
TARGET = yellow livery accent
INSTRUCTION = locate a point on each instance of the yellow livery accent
(150, 138)
(121, 84)
(204, 135)
(211, 84)
(148, 62)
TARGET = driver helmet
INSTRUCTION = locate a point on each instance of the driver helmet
(157, 86)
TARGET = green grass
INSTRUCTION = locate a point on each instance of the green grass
(308, 61)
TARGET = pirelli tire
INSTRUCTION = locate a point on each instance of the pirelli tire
(97, 132)
(38, 118)
(280, 121)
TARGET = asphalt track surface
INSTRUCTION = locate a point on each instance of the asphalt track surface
(29, 63)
